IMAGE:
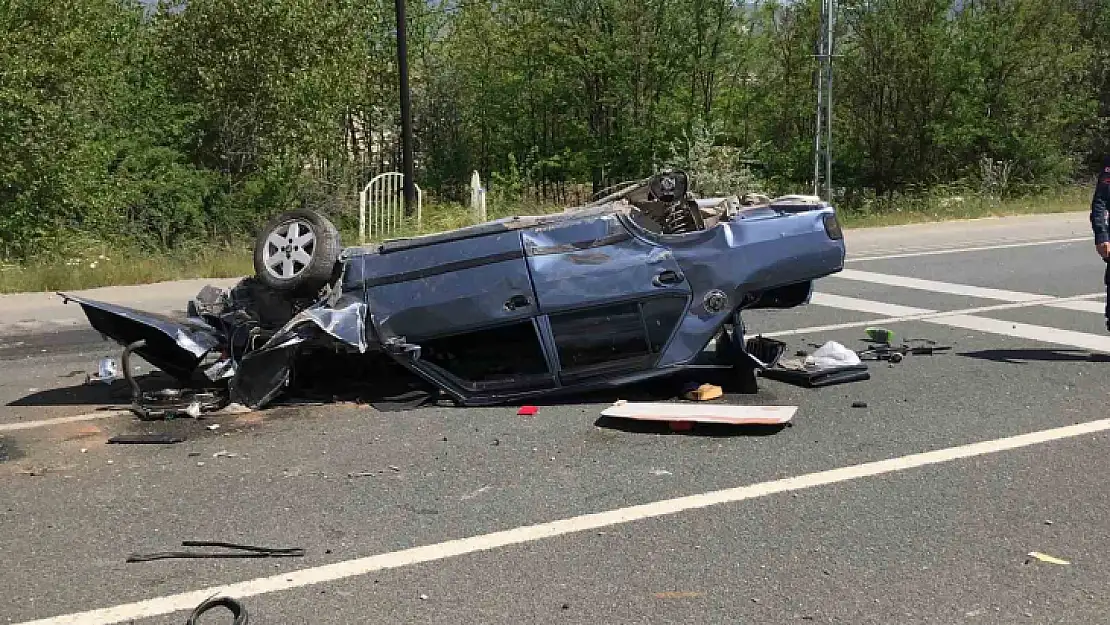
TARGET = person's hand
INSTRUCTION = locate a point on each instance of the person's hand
(1103, 249)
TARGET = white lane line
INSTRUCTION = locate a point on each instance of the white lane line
(959, 319)
(159, 606)
(979, 248)
(1081, 306)
(934, 286)
(92, 416)
(910, 313)
(951, 288)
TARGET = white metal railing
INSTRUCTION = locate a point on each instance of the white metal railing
(381, 205)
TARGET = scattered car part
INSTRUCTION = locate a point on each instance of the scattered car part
(106, 372)
(168, 403)
(238, 611)
(641, 284)
(249, 552)
(798, 374)
(884, 351)
(712, 413)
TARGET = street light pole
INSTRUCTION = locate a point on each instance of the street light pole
(406, 108)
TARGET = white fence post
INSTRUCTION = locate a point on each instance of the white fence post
(477, 197)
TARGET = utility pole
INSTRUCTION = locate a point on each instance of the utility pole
(822, 140)
(406, 108)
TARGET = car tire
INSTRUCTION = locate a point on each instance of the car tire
(296, 252)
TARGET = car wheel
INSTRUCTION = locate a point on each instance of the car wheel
(296, 252)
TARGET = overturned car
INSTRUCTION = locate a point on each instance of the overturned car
(646, 282)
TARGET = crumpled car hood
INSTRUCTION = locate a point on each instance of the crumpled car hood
(174, 346)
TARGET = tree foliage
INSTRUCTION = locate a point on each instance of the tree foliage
(169, 123)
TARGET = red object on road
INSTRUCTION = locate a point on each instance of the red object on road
(527, 410)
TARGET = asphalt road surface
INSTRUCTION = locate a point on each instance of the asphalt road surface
(921, 507)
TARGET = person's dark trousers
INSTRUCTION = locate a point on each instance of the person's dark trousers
(1106, 281)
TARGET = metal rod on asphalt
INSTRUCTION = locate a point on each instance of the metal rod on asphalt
(406, 106)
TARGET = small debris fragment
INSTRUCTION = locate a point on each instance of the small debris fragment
(361, 474)
(394, 468)
(974, 613)
(702, 392)
(225, 454)
(527, 411)
(200, 464)
(107, 371)
(880, 335)
(859, 404)
(213, 427)
(1048, 522)
(1043, 557)
(566, 606)
(423, 597)
(475, 493)
(661, 472)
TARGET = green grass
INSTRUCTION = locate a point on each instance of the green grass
(956, 207)
(70, 272)
(105, 267)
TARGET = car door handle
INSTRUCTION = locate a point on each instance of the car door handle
(517, 301)
(667, 277)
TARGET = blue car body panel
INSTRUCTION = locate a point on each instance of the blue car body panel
(604, 300)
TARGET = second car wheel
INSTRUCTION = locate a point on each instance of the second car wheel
(296, 252)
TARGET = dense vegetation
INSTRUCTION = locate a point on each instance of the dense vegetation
(169, 124)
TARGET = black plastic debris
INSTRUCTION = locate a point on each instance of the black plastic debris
(248, 551)
(238, 611)
(819, 377)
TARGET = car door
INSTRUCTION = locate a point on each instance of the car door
(609, 302)
(467, 301)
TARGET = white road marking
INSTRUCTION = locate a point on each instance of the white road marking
(958, 319)
(911, 314)
(92, 416)
(934, 286)
(979, 248)
(951, 288)
(159, 606)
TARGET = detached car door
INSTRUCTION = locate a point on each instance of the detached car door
(466, 299)
(609, 302)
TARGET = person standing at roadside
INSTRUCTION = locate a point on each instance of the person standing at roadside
(1100, 210)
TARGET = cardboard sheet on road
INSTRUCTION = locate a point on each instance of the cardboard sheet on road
(702, 413)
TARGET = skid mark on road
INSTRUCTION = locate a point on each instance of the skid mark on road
(159, 606)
